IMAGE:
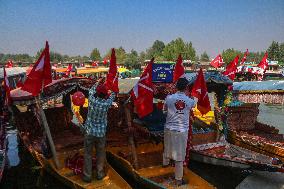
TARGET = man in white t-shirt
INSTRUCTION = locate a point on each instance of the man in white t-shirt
(178, 108)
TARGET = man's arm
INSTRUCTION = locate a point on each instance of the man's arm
(111, 98)
(92, 90)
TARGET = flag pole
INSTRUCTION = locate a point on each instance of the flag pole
(131, 137)
(47, 130)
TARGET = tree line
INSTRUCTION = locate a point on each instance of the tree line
(159, 50)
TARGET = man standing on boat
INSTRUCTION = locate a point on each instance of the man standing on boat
(95, 130)
(177, 107)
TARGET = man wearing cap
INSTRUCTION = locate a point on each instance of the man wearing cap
(177, 107)
(95, 130)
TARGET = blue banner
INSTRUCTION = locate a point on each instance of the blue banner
(162, 72)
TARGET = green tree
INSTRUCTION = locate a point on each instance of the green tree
(229, 54)
(119, 53)
(142, 58)
(273, 51)
(54, 56)
(95, 54)
(176, 47)
(255, 57)
(156, 50)
(281, 53)
(204, 57)
(131, 60)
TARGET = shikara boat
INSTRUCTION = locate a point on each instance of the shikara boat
(3, 146)
(271, 92)
(209, 144)
(218, 151)
(67, 137)
(149, 172)
(245, 131)
(140, 159)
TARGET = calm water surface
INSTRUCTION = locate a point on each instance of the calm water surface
(272, 115)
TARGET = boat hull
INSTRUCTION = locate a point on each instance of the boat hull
(263, 148)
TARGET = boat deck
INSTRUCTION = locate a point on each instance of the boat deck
(111, 181)
(150, 167)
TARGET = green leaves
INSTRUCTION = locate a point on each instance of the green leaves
(95, 55)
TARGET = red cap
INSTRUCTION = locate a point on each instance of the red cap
(101, 89)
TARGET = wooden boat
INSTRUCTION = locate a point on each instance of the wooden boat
(247, 132)
(150, 173)
(208, 145)
(271, 92)
(3, 147)
(142, 162)
(67, 137)
(225, 154)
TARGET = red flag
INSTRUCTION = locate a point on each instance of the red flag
(95, 63)
(142, 92)
(105, 60)
(263, 65)
(199, 90)
(179, 69)
(217, 62)
(69, 69)
(9, 64)
(7, 88)
(40, 75)
(231, 69)
(112, 76)
(244, 58)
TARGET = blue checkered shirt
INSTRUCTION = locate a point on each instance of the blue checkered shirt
(96, 122)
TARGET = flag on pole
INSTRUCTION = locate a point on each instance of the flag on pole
(217, 62)
(105, 60)
(232, 68)
(199, 90)
(69, 69)
(244, 58)
(263, 65)
(40, 75)
(9, 64)
(95, 63)
(112, 76)
(142, 92)
(179, 69)
(7, 88)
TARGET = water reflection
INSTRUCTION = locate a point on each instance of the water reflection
(12, 154)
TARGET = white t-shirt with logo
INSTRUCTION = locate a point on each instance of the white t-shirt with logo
(178, 108)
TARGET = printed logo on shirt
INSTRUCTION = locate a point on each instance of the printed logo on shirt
(180, 105)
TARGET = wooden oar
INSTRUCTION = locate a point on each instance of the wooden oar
(47, 131)
(130, 135)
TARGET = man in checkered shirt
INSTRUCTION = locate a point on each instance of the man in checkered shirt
(95, 130)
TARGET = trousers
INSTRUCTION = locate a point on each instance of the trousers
(99, 143)
(178, 167)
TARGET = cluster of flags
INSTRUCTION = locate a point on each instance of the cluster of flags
(142, 92)
(9, 64)
(233, 68)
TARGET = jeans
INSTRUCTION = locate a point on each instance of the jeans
(99, 143)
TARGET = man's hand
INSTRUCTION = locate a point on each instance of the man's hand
(115, 104)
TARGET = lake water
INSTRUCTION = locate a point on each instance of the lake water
(272, 115)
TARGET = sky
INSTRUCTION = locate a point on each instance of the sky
(75, 27)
